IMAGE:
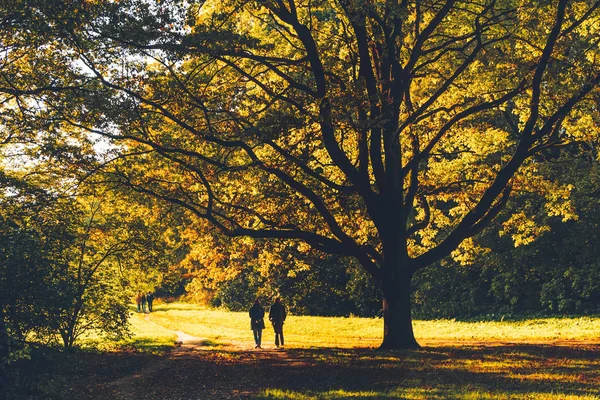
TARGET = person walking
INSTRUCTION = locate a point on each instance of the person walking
(257, 322)
(144, 302)
(149, 299)
(138, 300)
(277, 316)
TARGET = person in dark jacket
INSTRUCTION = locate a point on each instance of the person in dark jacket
(144, 302)
(257, 322)
(149, 299)
(277, 316)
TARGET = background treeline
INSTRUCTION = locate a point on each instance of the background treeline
(555, 274)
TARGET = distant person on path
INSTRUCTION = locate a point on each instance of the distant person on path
(257, 322)
(149, 299)
(138, 300)
(277, 316)
(144, 302)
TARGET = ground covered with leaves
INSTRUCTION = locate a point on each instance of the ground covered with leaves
(442, 371)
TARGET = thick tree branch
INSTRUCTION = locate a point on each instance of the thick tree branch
(541, 66)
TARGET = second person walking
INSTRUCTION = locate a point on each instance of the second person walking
(277, 316)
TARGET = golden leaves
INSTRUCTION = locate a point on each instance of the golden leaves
(522, 229)
(468, 251)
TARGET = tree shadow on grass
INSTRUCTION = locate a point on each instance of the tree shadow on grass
(445, 372)
(448, 372)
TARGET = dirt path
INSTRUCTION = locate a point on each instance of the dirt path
(184, 344)
(191, 349)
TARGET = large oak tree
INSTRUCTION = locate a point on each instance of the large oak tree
(387, 131)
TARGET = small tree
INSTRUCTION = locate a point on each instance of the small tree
(64, 261)
(91, 283)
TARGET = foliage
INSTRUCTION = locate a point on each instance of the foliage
(329, 287)
(231, 273)
(69, 262)
(64, 268)
(555, 274)
(47, 287)
(25, 259)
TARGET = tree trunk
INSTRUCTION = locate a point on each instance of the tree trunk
(397, 319)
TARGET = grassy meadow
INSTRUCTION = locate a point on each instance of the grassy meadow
(349, 332)
(332, 359)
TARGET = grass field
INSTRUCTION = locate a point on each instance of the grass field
(333, 359)
(336, 358)
(306, 332)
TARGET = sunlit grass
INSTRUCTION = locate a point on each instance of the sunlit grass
(538, 329)
(305, 331)
(146, 336)
(301, 331)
